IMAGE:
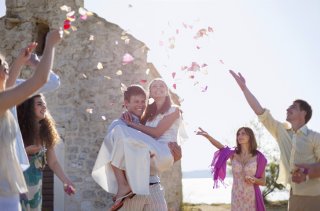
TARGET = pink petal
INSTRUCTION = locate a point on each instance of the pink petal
(143, 81)
(127, 58)
(174, 86)
(173, 74)
(83, 17)
(204, 89)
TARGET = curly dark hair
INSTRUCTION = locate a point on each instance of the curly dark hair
(26, 117)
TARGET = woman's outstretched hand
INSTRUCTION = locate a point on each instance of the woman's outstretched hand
(201, 132)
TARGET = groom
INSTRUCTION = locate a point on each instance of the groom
(135, 103)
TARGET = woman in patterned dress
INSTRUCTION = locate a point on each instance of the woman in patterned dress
(248, 169)
(40, 138)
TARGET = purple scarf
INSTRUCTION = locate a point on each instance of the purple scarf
(218, 170)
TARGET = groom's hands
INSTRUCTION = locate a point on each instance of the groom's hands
(175, 150)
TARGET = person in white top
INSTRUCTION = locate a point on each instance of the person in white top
(12, 182)
(128, 164)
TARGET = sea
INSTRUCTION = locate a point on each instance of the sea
(200, 191)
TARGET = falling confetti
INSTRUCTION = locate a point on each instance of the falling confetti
(66, 24)
(172, 41)
(204, 89)
(200, 33)
(71, 18)
(147, 71)
(89, 110)
(150, 101)
(119, 72)
(91, 37)
(107, 77)
(143, 81)
(194, 67)
(71, 13)
(99, 66)
(84, 75)
(103, 118)
(74, 28)
(127, 58)
(84, 13)
(65, 8)
(123, 88)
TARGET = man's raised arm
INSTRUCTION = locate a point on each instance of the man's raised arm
(251, 99)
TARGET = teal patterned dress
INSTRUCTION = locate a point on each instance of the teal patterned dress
(32, 201)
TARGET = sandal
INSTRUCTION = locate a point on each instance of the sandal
(118, 203)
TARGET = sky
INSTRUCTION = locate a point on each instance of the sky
(274, 44)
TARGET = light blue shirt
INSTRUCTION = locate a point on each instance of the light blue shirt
(119, 121)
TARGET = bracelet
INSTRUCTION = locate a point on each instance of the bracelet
(306, 172)
(307, 178)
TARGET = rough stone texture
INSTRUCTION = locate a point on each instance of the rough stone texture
(84, 86)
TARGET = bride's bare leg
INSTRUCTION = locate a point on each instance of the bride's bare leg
(123, 185)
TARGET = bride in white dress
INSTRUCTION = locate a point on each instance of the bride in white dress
(127, 147)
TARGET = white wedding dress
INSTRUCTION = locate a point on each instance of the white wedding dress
(130, 150)
(12, 181)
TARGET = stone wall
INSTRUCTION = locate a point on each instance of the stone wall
(83, 87)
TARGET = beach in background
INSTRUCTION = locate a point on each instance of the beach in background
(200, 191)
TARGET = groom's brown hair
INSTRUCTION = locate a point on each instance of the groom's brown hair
(134, 90)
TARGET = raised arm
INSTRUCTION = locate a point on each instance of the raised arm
(16, 95)
(213, 141)
(162, 127)
(22, 59)
(251, 99)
